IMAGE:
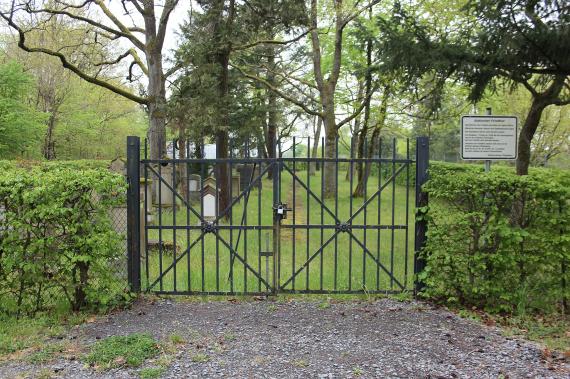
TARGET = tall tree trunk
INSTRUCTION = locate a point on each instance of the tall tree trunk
(354, 138)
(222, 135)
(271, 109)
(526, 135)
(539, 102)
(359, 191)
(331, 133)
(221, 33)
(364, 170)
(49, 143)
(183, 168)
(156, 107)
(314, 166)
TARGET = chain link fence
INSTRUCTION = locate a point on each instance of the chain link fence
(118, 266)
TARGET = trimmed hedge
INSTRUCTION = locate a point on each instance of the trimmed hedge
(57, 243)
(498, 241)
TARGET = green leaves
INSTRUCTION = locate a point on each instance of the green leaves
(19, 122)
(498, 241)
(57, 239)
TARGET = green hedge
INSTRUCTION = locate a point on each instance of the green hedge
(58, 244)
(498, 241)
(81, 164)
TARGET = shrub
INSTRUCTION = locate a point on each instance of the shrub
(57, 242)
(498, 241)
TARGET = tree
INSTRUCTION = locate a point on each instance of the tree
(20, 124)
(124, 41)
(229, 105)
(52, 80)
(326, 77)
(519, 43)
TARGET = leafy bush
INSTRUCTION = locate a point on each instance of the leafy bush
(57, 240)
(498, 241)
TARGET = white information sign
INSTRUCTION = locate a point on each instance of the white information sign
(488, 137)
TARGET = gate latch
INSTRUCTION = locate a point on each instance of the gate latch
(281, 210)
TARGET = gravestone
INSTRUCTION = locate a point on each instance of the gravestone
(209, 194)
(235, 186)
(118, 165)
(165, 195)
(194, 187)
(245, 175)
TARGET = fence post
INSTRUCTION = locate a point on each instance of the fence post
(133, 213)
(276, 217)
(422, 164)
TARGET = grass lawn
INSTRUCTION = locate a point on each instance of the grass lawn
(337, 262)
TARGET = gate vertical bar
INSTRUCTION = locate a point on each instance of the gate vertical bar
(276, 171)
(422, 164)
(133, 213)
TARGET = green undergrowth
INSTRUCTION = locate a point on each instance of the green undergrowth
(27, 337)
(550, 330)
(131, 350)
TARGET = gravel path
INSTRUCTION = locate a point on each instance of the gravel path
(304, 339)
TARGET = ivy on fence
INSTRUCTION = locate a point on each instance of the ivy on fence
(57, 243)
(498, 241)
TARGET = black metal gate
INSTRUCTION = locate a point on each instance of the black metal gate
(252, 225)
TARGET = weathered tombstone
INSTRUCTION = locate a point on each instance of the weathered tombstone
(235, 186)
(194, 187)
(245, 176)
(165, 194)
(146, 190)
(118, 165)
(209, 194)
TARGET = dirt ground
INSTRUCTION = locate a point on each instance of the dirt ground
(305, 339)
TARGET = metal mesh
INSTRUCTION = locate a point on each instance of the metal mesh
(118, 266)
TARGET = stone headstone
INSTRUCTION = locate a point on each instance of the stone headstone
(194, 187)
(119, 165)
(245, 175)
(209, 194)
(166, 195)
(235, 186)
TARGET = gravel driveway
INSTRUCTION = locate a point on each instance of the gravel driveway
(307, 339)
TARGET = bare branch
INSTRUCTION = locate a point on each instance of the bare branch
(272, 42)
(66, 64)
(279, 93)
(358, 110)
(168, 8)
(125, 30)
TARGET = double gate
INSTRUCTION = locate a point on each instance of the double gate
(293, 224)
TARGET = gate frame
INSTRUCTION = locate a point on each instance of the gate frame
(134, 214)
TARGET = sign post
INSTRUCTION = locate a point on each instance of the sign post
(489, 138)
(488, 161)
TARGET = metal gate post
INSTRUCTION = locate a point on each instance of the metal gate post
(276, 218)
(133, 213)
(422, 164)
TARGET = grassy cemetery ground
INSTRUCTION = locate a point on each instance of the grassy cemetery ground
(208, 266)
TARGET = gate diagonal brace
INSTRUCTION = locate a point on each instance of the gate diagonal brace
(209, 227)
(343, 227)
